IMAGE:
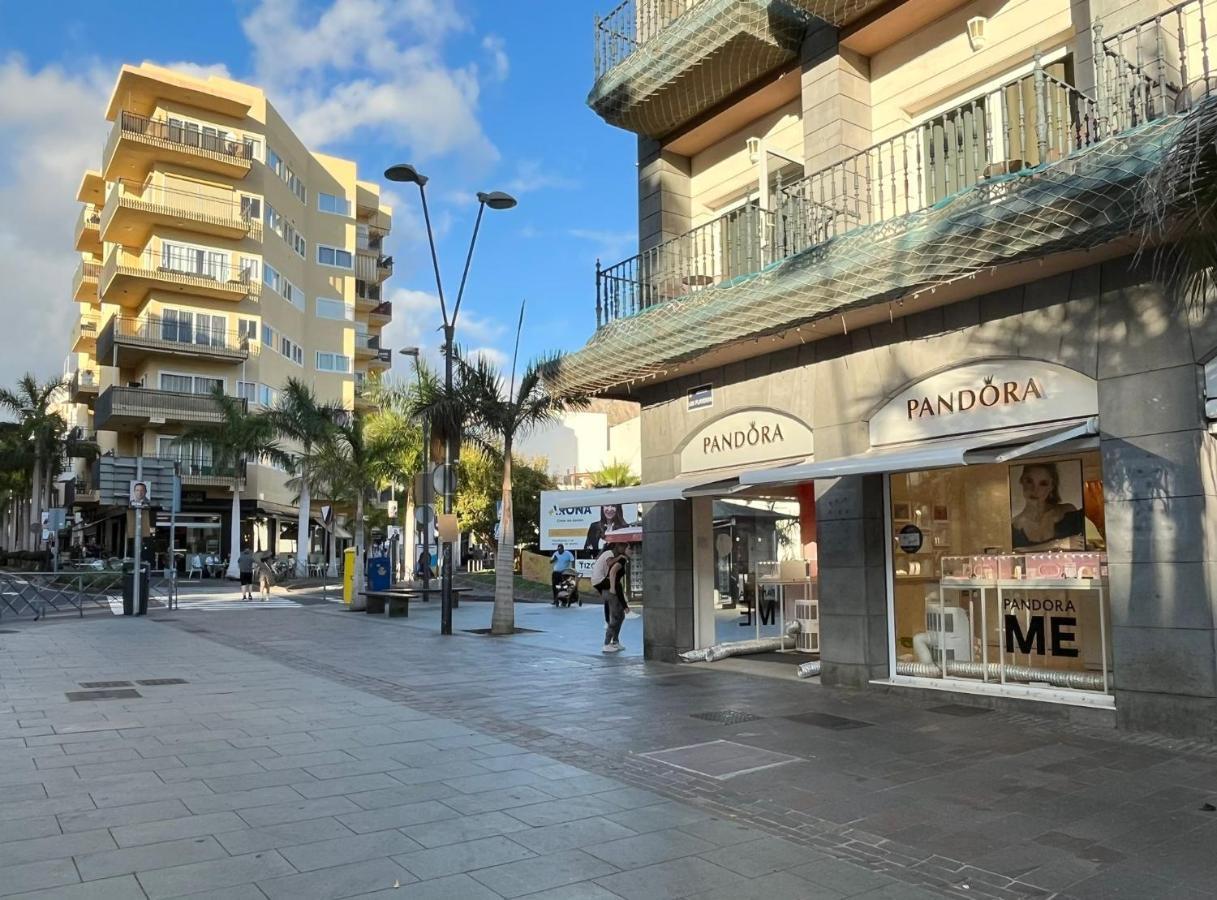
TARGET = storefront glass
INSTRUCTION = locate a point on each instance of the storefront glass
(1000, 574)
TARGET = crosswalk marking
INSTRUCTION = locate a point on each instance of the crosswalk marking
(216, 605)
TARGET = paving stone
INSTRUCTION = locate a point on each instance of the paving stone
(453, 859)
(425, 774)
(124, 887)
(349, 785)
(396, 816)
(256, 778)
(130, 860)
(211, 802)
(296, 812)
(570, 835)
(112, 816)
(657, 817)
(475, 784)
(722, 831)
(466, 828)
(554, 812)
(582, 785)
(400, 795)
(289, 834)
(778, 886)
(24, 829)
(173, 829)
(648, 849)
(13, 853)
(224, 772)
(686, 877)
(490, 801)
(841, 876)
(32, 876)
(526, 876)
(348, 849)
(51, 806)
(337, 881)
(220, 873)
(762, 857)
(186, 791)
(584, 890)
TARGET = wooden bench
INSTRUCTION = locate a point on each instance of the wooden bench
(425, 593)
(391, 604)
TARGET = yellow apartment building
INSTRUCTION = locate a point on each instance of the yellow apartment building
(216, 249)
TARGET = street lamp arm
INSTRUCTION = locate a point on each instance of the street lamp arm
(439, 284)
(477, 224)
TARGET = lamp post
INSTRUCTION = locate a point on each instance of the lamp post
(425, 500)
(407, 174)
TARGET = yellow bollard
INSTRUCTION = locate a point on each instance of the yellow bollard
(348, 575)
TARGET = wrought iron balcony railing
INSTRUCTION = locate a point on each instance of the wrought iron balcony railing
(186, 135)
(148, 403)
(201, 470)
(382, 310)
(171, 261)
(632, 24)
(1027, 122)
(174, 336)
(225, 210)
(367, 292)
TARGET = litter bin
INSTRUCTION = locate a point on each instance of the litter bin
(348, 576)
(378, 573)
(129, 590)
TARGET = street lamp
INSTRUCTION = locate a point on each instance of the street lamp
(407, 174)
(425, 499)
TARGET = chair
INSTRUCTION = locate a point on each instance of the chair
(194, 563)
(316, 564)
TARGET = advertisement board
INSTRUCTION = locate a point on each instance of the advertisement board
(584, 527)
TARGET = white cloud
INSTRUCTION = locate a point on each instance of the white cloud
(198, 70)
(533, 175)
(375, 67)
(496, 47)
(51, 130)
(417, 323)
(610, 246)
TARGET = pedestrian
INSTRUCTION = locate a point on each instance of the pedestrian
(609, 580)
(245, 565)
(422, 568)
(266, 576)
(563, 561)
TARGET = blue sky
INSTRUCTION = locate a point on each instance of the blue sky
(480, 94)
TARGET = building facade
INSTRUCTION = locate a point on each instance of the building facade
(217, 250)
(581, 443)
(889, 284)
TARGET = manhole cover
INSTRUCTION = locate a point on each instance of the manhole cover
(720, 759)
(117, 694)
(487, 631)
(727, 716)
(831, 722)
(150, 682)
(104, 684)
(958, 709)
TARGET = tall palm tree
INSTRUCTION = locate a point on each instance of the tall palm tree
(497, 419)
(42, 431)
(304, 420)
(241, 437)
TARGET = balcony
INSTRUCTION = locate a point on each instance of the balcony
(381, 314)
(126, 341)
(367, 346)
(133, 210)
(381, 361)
(84, 282)
(367, 296)
(138, 142)
(364, 399)
(201, 471)
(127, 278)
(84, 332)
(371, 267)
(134, 408)
(81, 444)
(88, 233)
(985, 141)
(84, 386)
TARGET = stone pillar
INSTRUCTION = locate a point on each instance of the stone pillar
(667, 557)
(836, 100)
(853, 580)
(664, 204)
(1160, 499)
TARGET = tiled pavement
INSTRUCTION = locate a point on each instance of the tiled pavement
(317, 753)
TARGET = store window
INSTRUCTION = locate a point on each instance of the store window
(1000, 574)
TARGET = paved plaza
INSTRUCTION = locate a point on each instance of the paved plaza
(303, 751)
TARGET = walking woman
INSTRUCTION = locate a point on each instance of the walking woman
(615, 605)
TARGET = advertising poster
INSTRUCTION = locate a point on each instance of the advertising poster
(590, 528)
(1046, 506)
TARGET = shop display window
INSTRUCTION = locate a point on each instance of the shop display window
(1000, 574)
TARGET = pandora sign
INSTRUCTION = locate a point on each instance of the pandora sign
(754, 435)
(983, 396)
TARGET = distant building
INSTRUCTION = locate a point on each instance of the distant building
(584, 442)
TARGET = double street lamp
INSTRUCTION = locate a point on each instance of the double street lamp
(407, 174)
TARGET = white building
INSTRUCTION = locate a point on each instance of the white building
(583, 442)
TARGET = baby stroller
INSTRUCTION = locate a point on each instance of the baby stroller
(568, 589)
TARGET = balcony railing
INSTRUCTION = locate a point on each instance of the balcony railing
(382, 310)
(631, 25)
(185, 135)
(1155, 67)
(222, 210)
(89, 219)
(367, 292)
(1027, 122)
(367, 341)
(84, 281)
(172, 335)
(147, 403)
(84, 330)
(203, 471)
(184, 265)
(84, 382)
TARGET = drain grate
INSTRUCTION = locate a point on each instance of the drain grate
(958, 709)
(117, 694)
(104, 684)
(829, 721)
(720, 760)
(727, 716)
(151, 682)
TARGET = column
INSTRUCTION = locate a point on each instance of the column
(667, 554)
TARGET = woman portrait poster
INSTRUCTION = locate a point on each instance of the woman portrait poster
(611, 519)
(1046, 506)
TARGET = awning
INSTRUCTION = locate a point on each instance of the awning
(714, 483)
(990, 447)
(339, 531)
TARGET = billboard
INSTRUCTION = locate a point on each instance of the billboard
(590, 528)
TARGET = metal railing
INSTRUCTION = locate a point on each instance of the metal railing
(1158, 66)
(35, 595)
(1029, 121)
(230, 209)
(632, 24)
(85, 271)
(202, 470)
(367, 292)
(383, 309)
(138, 402)
(185, 135)
(83, 379)
(158, 333)
(367, 341)
(188, 261)
(90, 217)
(384, 356)
(85, 327)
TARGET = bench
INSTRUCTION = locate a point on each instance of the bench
(390, 604)
(425, 593)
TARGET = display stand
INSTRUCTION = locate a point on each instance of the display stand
(793, 588)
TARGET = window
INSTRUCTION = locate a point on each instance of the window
(190, 384)
(334, 309)
(177, 326)
(267, 396)
(281, 286)
(249, 269)
(194, 261)
(279, 224)
(333, 362)
(291, 350)
(247, 329)
(195, 456)
(276, 164)
(329, 203)
(247, 390)
(251, 207)
(332, 256)
(268, 336)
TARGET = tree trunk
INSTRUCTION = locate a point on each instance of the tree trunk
(358, 601)
(333, 545)
(409, 537)
(503, 621)
(34, 535)
(234, 570)
(302, 520)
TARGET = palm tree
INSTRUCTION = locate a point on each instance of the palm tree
(307, 422)
(240, 437)
(496, 421)
(615, 474)
(41, 431)
(394, 424)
